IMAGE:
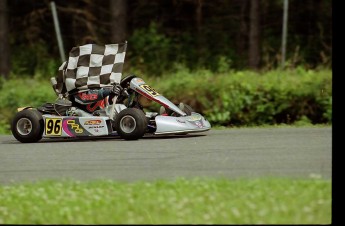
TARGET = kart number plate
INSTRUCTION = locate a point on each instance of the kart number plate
(53, 126)
(149, 90)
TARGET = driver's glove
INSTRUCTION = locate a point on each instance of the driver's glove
(117, 89)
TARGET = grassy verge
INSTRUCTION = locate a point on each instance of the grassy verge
(182, 201)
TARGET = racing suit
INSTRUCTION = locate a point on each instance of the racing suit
(91, 100)
(95, 99)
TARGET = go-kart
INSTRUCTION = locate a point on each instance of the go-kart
(124, 117)
(127, 120)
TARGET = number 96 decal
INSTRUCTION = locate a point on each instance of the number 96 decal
(149, 90)
(53, 126)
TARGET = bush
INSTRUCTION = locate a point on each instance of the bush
(17, 93)
(35, 59)
(149, 50)
(241, 98)
(248, 98)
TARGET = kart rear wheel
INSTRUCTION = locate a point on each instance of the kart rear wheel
(27, 126)
(131, 124)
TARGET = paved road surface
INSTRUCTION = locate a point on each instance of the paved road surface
(230, 153)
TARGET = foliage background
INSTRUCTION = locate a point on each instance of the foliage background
(192, 51)
(194, 33)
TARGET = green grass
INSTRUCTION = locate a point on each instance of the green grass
(182, 201)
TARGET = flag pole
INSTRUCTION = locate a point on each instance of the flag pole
(57, 30)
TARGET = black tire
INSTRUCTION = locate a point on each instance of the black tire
(27, 126)
(131, 124)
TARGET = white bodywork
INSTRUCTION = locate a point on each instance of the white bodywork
(184, 124)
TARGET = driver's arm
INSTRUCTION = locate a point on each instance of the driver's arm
(92, 96)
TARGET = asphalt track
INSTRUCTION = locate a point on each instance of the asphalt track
(228, 153)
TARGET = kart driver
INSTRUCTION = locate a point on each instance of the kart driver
(95, 99)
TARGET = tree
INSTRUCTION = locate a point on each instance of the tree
(254, 34)
(244, 33)
(118, 10)
(4, 43)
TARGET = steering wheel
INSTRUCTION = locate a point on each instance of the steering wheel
(126, 80)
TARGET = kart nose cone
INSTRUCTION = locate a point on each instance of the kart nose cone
(184, 124)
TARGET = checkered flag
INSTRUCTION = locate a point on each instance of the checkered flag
(91, 66)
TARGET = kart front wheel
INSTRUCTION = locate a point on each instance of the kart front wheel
(27, 126)
(131, 124)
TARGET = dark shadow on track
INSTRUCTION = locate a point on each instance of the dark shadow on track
(106, 138)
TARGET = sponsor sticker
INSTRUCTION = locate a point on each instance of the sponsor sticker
(74, 126)
(93, 122)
